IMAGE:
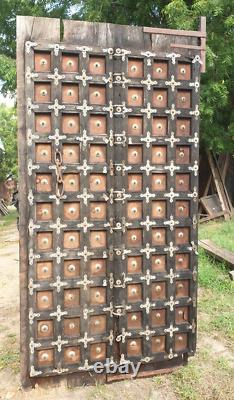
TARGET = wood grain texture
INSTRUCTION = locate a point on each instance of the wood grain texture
(217, 252)
(28, 28)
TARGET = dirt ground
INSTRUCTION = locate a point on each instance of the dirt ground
(208, 375)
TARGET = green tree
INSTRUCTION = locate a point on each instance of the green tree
(9, 10)
(217, 89)
(8, 129)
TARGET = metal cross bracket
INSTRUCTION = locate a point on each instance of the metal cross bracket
(147, 168)
(171, 276)
(57, 137)
(148, 277)
(58, 226)
(56, 76)
(121, 53)
(122, 252)
(56, 47)
(171, 195)
(84, 108)
(58, 284)
(172, 168)
(32, 315)
(85, 167)
(148, 110)
(59, 343)
(148, 195)
(194, 140)
(172, 139)
(149, 56)
(173, 112)
(58, 313)
(109, 80)
(147, 333)
(32, 256)
(195, 112)
(120, 195)
(33, 345)
(173, 57)
(56, 107)
(85, 282)
(85, 225)
(121, 310)
(32, 286)
(147, 250)
(29, 75)
(85, 340)
(121, 338)
(121, 109)
(31, 106)
(29, 45)
(120, 225)
(148, 82)
(172, 83)
(121, 167)
(85, 253)
(171, 249)
(147, 223)
(122, 283)
(147, 305)
(84, 50)
(32, 226)
(58, 255)
(83, 77)
(171, 223)
(172, 303)
(171, 330)
(120, 79)
(148, 139)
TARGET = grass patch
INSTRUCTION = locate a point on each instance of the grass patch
(186, 381)
(8, 219)
(9, 354)
(216, 303)
(221, 233)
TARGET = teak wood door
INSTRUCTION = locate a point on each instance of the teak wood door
(112, 165)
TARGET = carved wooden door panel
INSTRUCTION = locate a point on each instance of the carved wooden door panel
(112, 165)
(156, 261)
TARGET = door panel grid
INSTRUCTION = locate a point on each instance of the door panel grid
(112, 160)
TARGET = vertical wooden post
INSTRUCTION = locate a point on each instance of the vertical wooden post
(203, 43)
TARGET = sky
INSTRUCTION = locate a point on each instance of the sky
(7, 100)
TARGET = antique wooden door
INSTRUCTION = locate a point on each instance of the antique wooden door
(111, 191)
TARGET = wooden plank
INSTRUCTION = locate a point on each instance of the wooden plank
(174, 32)
(210, 217)
(28, 28)
(203, 43)
(217, 252)
(186, 46)
(227, 199)
(106, 35)
(218, 185)
(211, 204)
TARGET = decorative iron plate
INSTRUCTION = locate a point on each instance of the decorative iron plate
(112, 174)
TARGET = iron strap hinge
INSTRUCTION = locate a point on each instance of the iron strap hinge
(120, 225)
(116, 168)
(121, 310)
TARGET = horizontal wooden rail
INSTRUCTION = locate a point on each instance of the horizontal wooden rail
(175, 32)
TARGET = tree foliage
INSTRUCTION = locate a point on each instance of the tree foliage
(8, 159)
(217, 94)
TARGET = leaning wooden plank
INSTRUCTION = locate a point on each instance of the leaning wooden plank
(211, 204)
(218, 185)
(210, 217)
(217, 252)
